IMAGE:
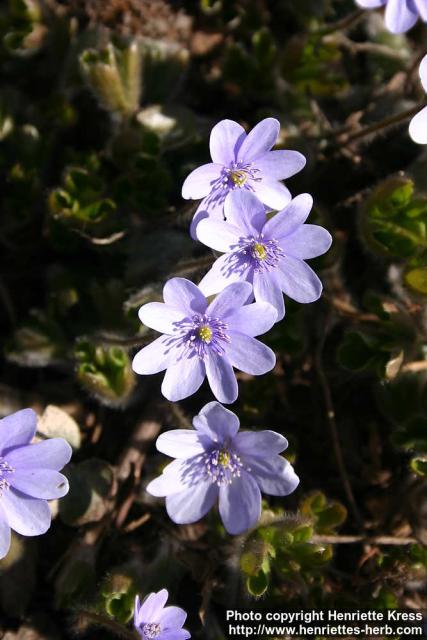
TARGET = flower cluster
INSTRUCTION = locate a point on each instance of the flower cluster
(29, 476)
(400, 15)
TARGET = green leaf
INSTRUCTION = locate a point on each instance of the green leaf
(257, 585)
(419, 466)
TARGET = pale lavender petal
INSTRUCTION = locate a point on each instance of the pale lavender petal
(18, 428)
(400, 16)
(49, 454)
(279, 165)
(155, 357)
(4, 535)
(225, 270)
(40, 483)
(219, 235)
(192, 504)
(275, 476)
(371, 4)
(210, 207)
(244, 211)
(418, 127)
(253, 319)
(298, 280)
(259, 443)
(152, 606)
(308, 241)
(421, 7)
(175, 478)
(250, 355)
(222, 380)
(272, 193)
(266, 289)
(216, 422)
(233, 296)
(176, 634)
(288, 220)
(259, 140)
(240, 504)
(25, 515)
(423, 71)
(171, 618)
(201, 181)
(226, 138)
(161, 317)
(179, 443)
(184, 295)
(183, 379)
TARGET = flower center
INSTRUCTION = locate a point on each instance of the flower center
(5, 470)
(206, 334)
(222, 466)
(238, 177)
(260, 254)
(151, 630)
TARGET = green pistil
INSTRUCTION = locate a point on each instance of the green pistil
(205, 334)
(224, 459)
(259, 251)
(238, 177)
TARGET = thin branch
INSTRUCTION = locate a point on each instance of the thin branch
(345, 23)
(98, 619)
(398, 118)
(374, 540)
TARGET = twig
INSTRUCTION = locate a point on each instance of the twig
(344, 23)
(379, 540)
(398, 118)
(96, 618)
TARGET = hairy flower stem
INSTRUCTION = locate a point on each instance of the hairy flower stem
(93, 618)
(398, 118)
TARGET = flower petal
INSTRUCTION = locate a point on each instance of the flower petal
(176, 477)
(210, 207)
(243, 210)
(152, 606)
(266, 289)
(250, 355)
(418, 127)
(201, 181)
(161, 317)
(216, 422)
(400, 16)
(259, 140)
(233, 296)
(260, 443)
(17, 429)
(179, 443)
(183, 379)
(275, 476)
(225, 270)
(172, 618)
(279, 165)
(49, 454)
(371, 4)
(423, 72)
(155, 357)
(40, 483)
(4, 535)
(25, 515)
(192, 504)
(308, 241)
(222, 380)
(253, 319)
(184, 295)
(421, 6)
(272, 193)
(298, 280)
(218, 235)
(226, 138)
(287, 221)
(176, 634)
(240, 504)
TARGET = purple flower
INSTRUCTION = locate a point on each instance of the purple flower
(28, 477)
(269, 254)
(418, 126)
(400, 15)
(241, 161)
(216, 461)
(202, 339)
(153, 620)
